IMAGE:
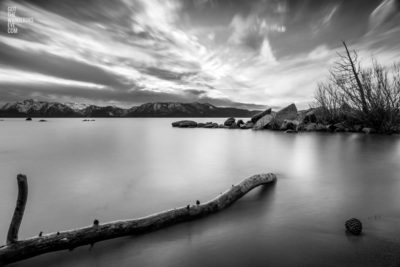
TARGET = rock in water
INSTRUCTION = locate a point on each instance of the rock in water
(264, 122)
(354, 226)
(247, 125)
(229, 121)
(184, 124)
(287, 113)
(28, 119)
(289, 125)
(341, 127)
(234, 126)
(208, 125)
(310, 117)
(258, 116)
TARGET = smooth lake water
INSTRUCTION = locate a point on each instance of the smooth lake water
(125, 168)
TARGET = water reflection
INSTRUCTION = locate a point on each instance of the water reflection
(124, 168)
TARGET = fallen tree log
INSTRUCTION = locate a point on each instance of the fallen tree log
(18, 250)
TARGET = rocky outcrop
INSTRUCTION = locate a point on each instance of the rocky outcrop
(229, 121)
(247, 125)
(264, 122)
(341, 127)
(211, 125)
(287, 113)
(184, 124)
(289, 125)
(310, 117)
(258, 116)
(289, 120)
(310, 127)
(233, 126)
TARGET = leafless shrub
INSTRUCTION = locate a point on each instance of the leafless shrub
(370, 96)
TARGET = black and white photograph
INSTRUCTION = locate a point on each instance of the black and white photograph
(200, 133)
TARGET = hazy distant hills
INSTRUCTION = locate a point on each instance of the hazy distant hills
(34, 108)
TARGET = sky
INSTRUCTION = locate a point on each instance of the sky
(247, 54)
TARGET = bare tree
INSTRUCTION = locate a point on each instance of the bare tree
(370, 96)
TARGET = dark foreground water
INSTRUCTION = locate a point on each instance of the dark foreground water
(125, 168)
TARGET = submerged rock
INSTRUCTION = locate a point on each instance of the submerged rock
(353, 226)
(229, 121)
(184, 124)
(258, 116)
(28, 119)
(42, 120)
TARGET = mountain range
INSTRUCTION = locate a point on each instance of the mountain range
(35, 108)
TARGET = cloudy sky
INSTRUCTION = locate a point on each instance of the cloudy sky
(225, 52)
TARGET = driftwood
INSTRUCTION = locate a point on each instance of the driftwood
(23, 249)
(12, 235)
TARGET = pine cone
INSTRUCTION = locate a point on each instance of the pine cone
(354, 226)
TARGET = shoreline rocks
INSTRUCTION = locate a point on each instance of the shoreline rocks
(229, 121)
(258, 116)
(288, 113)
(264, 122)
(184, 124)
(288, 120)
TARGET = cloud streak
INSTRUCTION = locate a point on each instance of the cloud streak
(225, 52)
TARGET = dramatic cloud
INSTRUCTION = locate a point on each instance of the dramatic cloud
(229, 53)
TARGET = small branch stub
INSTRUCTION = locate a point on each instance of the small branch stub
(12, 235)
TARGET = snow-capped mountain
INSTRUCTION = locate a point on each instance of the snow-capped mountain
(35, 108)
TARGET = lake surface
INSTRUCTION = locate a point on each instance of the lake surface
(125, 168)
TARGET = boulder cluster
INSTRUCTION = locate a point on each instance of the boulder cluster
(288, 119)
(230, 123)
